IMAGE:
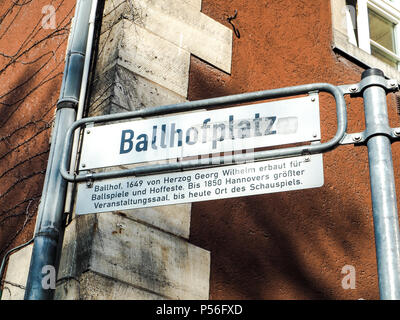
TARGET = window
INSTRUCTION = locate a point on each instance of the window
(374, 26)
(382, 38)
(368, 32)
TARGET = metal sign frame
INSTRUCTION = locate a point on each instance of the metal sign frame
(314, 148)
(377, 136)
(200, 133)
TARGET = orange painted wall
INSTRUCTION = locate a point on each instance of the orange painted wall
(290, 245)
(31, 66)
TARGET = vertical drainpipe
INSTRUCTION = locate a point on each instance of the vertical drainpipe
(49, 223)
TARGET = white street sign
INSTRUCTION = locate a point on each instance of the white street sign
(202, 133)
(200, 185)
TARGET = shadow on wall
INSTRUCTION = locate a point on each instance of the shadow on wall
(23, 155)
(286, 246)
(31, 66)
(289, 245)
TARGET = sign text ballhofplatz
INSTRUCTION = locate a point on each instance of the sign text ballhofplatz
(202, 133)
(201, 185)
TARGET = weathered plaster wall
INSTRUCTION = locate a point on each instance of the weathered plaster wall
(281, 246)
(289, 245)
(31, 66)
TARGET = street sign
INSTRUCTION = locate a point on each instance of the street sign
(202, 133)
(200, 185)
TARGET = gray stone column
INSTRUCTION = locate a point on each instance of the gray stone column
(144, 57)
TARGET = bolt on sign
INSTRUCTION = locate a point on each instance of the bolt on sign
(197, 134)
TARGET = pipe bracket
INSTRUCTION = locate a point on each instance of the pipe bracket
(356, 89)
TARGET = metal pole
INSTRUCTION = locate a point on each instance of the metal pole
(383, 193)
(81, 104)
(49, 222)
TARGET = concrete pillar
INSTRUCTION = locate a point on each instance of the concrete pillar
(144, 57)
(17, 274)
(143, 61)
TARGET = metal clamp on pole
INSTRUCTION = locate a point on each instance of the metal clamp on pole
(383, 193)
(356, 90)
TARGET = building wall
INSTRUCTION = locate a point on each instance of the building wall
(292, 245)
(32, 53)
(142, 63)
